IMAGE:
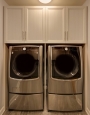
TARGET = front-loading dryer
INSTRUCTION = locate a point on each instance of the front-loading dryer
(25, 78)
(65, 77)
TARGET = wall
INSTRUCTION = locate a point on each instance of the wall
(87, 3)
(2, 3)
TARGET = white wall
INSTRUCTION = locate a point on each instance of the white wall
(87, 3)
(2, 3)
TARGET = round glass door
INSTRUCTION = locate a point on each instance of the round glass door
(24, 65)
(66, 65)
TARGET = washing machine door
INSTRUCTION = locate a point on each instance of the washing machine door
(66, 65)
(24, 65)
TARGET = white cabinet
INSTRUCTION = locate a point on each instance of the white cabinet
(24, 24)
(66, 24)
(35, 24)
(13, 24)
(55, 24)
(45, 24)
(76, 24)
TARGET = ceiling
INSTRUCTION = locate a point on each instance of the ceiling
(52, 3)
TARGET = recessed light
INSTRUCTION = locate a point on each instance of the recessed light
(45, 1)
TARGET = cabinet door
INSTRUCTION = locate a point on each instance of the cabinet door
(35, 24)
(55, 24)
(13, 24)
(76, 24)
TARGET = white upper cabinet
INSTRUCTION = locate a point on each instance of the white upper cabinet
(66, 24)
(45, 24)
(55, 24)
(24, 24)
(76, 24)
(35, 24)
(13, 24)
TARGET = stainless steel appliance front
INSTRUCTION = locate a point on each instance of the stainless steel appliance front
(26, 102)
(65, 80)
(65, 102)
(25, 76)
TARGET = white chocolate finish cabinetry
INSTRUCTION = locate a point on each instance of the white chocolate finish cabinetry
(24, 24)
(45, 24)
(66, 24)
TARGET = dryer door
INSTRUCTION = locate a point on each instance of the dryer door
(66, 65)
(24, 65)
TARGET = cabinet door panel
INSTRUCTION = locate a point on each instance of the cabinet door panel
(55, 24)
(35, 25)
(14, 24)
(76, 24)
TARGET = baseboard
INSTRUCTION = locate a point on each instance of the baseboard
(2, 110)
(88, 111)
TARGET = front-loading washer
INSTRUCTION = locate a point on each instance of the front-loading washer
(25, 77)
(65, 78)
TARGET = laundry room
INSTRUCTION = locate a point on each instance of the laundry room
(44, 62)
